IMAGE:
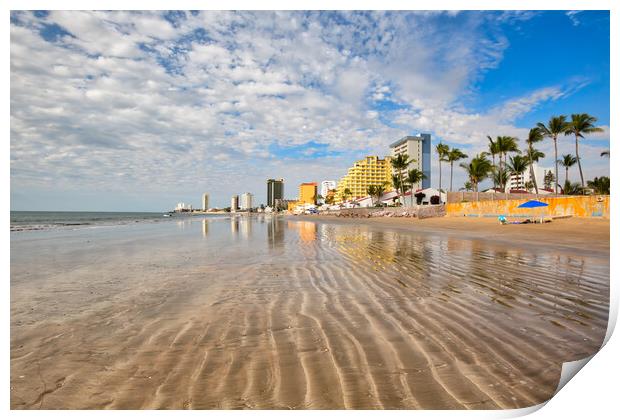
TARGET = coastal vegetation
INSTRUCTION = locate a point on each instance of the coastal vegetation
(579, 125)
(454, 155)
(567, 161)
(477, 169)
(442, 152)
(400, 164)
(512, 162)
(534, 136)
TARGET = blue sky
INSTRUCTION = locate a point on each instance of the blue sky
(140, 110)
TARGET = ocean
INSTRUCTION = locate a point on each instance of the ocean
(45, 220)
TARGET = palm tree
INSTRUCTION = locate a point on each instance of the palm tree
(534, 136)
(517, 166)
(400, 163)
(494, 151)
(555, 127)
(477, 169)
(579, 125)
(600, 185)
(414, 176)
(380, 189)
(535, 156)
(454, 155)
(442, 151)
(572, 188)
(505, 145)
(499, 176)
(567, 161)
(396, 183)
(467, 187)
(346, 193)
(372, 191)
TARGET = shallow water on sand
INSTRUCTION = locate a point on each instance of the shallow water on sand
(270, 312)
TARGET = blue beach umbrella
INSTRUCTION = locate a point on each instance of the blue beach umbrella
(532, 204)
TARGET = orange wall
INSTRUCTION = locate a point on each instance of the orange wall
(576, 206)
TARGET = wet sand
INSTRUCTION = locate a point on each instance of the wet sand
(577, 235)
(300, 313)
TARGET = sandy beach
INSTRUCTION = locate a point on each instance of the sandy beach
(304, 313)
(578, 235)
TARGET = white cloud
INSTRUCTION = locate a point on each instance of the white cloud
(129, 102)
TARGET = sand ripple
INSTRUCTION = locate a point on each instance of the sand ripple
(326, 316)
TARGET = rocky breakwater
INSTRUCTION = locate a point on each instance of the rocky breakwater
(421, 212)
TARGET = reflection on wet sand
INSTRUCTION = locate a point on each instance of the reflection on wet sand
(205, 227)
(321, 316)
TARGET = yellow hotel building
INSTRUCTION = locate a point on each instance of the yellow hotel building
(368, 171)
(307, 195)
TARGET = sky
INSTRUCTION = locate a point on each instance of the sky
(136, 111)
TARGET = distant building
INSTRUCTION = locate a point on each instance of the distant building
(205, 202)
(520, 182)
(326, 186)
(417, 147)
(275, 190)
(234, 203)
(246, 201)
(183, 207)
(307, 193)
(369, 171)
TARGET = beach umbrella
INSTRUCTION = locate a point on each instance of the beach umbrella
(533, 204)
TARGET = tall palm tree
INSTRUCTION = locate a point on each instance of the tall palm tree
(517, 166)
(454, 155)
(477, 169)
(505, 145)
(567, 161)
(400, 163)
(494, 151)
(396, 183)
(414, 176)
(534, 136)
(555, 127)
(442, 151)
(579, 125)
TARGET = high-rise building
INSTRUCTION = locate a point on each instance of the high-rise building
(275, 190)
(234, 203)
(307, 193)
(246, 201)
(418, 148)
(326, 186)
(205, 202)
(369, 171)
